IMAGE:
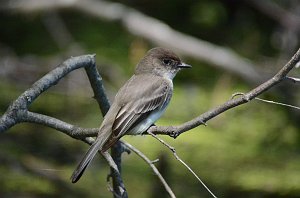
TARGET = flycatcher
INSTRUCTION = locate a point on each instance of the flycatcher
(138, 104)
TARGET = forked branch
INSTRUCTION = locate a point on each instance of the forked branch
(18, 111)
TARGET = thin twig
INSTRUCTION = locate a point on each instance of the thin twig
(293, 79)
(155, 170)
(172, 149)
(277, 103)
(267, 101)
(110, 161)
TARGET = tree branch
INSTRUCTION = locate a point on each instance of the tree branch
(175, 131)
(118, 186)
(68, 129)
(172, 149)
(98, 89)
(19, 107)
(18, 112)
(155, 170)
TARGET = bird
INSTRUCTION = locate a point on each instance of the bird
(138, 104)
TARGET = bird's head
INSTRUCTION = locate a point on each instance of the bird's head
(162, 62)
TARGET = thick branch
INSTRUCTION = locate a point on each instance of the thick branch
(98, 89)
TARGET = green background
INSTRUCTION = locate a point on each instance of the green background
(249, 151)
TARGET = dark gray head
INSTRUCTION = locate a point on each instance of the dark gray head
(162, 62)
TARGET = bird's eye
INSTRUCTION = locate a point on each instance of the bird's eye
(167, 61)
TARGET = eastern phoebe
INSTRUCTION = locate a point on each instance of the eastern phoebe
(138, 104)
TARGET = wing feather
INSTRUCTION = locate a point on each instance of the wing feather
(136, 104)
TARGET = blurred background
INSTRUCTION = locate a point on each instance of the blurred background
(234, 45)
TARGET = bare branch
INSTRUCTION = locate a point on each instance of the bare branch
(293, 79)
(18, 108)
(118, 185)
(172, 149)
(18, 111)
(155, 170)
(98, 88)
(175, 131)
(15, 114)
(277, 103)
(71, 130)
(161, 33)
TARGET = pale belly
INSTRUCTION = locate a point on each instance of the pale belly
(145, 124)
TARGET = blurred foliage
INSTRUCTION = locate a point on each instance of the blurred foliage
(250, 151)
(225, 22)
(23, 35)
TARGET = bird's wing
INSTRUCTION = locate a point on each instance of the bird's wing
(137, 103)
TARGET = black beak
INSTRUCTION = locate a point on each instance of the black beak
(184, 65)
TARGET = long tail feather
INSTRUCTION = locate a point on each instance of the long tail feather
(88, 157)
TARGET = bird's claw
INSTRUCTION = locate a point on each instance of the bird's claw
(173, 133)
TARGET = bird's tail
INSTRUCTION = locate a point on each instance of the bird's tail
(95, 147)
